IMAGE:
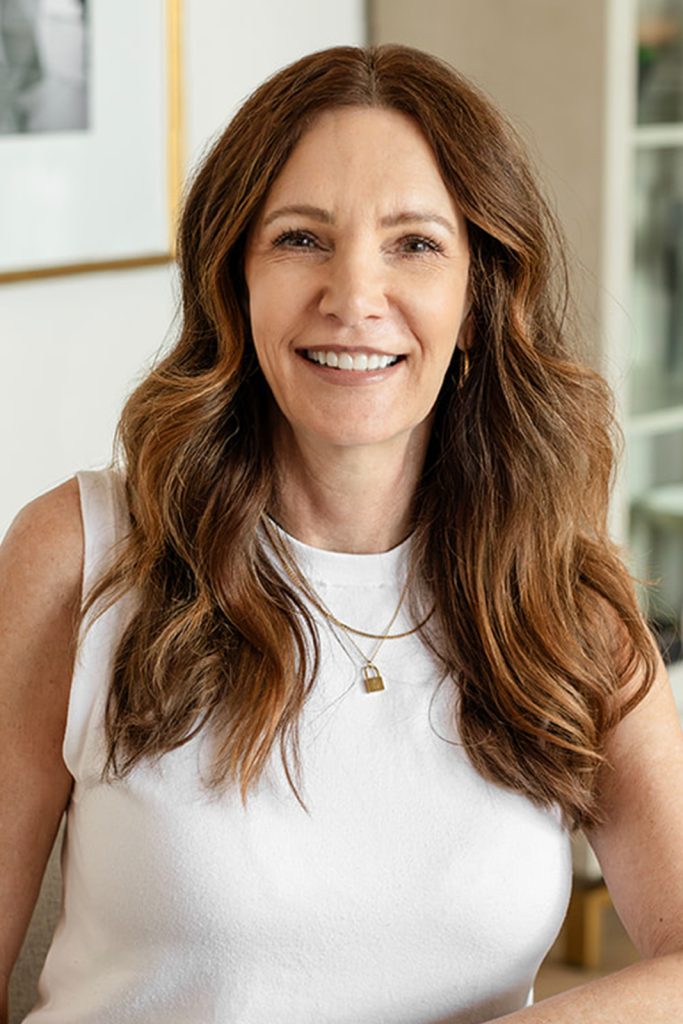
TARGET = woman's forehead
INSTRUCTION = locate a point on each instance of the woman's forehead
(371, 155)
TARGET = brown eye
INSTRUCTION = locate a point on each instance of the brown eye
(295, 240)
(426, 245)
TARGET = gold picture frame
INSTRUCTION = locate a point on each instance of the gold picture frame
(170, 95)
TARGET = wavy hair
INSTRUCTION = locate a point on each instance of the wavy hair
(536, 619)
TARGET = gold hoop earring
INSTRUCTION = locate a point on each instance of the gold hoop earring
(464, 367)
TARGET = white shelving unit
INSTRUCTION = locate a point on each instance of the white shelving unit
(642, 275)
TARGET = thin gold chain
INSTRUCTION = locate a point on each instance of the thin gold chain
(382, 636)
(296, 577)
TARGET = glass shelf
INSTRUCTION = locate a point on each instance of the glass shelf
(657, 136)
(649, 423)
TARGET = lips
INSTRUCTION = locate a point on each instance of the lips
(364, 373)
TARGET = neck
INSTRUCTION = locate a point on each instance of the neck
(355, 499)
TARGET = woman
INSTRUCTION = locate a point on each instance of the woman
(357, 652)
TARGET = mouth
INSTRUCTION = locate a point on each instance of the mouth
(355, 361)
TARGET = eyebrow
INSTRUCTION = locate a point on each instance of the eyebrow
(392, 220)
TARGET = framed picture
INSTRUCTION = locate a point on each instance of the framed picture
(90, 134)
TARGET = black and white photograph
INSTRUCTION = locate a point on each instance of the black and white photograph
(44, 66)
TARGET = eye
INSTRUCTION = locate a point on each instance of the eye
(295, 239)
(421, 244)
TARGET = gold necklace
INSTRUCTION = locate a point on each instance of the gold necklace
(371, 675)
(378, 636)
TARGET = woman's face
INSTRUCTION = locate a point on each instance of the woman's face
(359, 257)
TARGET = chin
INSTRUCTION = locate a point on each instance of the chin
(359, 435)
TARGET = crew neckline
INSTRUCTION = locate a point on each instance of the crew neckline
(345, 568)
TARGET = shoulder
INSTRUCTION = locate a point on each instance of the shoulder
(43, 549)
(41, 561)
(59, 507)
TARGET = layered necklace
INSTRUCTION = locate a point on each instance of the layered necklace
(371, 676)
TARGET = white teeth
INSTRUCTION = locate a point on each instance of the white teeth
(345, 361)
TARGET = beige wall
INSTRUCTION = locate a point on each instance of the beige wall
(543, 63)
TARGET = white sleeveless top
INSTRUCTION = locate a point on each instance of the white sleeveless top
(414, 891)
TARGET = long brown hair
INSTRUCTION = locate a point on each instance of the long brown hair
(536, 616)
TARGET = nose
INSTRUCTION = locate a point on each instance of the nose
(354, 287)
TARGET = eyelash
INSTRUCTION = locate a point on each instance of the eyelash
(293, 233)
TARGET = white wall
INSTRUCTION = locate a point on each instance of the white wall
(72, 347)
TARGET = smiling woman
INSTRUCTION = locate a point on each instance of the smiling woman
(354, 650)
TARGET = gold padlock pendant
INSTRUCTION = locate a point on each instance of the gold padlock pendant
(372, 678)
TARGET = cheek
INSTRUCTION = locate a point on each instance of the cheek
(438, 321)
(273, 307)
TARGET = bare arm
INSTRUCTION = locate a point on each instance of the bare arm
(640, 850)
(40, 582)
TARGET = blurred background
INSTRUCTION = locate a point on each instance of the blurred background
(594, 86)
